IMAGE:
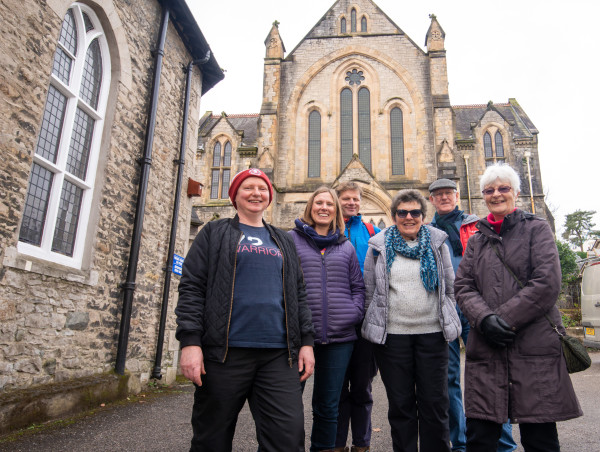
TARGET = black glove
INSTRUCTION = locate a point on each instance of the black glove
(496, 331)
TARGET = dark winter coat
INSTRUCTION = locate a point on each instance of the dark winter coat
(206, 290)
(528, 381)
(334, 286)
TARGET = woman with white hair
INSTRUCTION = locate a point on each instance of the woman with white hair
(507, 285)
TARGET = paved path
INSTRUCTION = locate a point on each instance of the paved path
(160, 422)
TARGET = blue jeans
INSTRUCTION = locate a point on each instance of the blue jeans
(456, 412)
(331, 362)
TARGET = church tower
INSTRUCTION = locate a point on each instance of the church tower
(443, 116)
(268, 126)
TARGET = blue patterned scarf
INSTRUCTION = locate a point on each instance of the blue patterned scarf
(395, 243)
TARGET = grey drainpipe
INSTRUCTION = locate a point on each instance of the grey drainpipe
(167, 284)
(145, 161)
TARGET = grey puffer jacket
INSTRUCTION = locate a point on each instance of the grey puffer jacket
(377, 285)
(528, 381)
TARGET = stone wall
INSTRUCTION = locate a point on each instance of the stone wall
(59, 323)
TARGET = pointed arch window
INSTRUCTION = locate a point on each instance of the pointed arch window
(353, 20)
(364, 127)
(221, 170)
(493, 151)
(346, 132)
(314, 144)
(343, 25)
(363, 24)
(397, 141)
(63, 173)
(499, 145)
(381, 224)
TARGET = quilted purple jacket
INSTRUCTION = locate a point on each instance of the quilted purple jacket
(334, 287)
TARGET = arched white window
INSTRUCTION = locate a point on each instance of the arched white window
(363, 24)
(343, 25)
(353, 20)
(63, 174)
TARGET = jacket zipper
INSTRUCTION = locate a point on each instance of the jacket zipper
(324, 293)
(231, 301)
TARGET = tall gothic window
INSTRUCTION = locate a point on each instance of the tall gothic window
(63, 173)
(353, 20)
(397, 141)
(221, 171)
(346, 126)
(343, 25)
(314, 144)
(363, 24)
(364, 127)
(493, 152)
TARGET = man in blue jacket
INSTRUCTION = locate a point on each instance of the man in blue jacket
(459, 226)
(356, 401)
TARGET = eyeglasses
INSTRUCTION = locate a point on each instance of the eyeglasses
(490, 191)
(415, 213)
(439, 194)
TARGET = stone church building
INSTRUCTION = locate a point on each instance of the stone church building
(100, 103)
(358, 99)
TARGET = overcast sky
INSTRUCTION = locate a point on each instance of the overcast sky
(544, 53)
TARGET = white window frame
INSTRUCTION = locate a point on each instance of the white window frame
(71, 91)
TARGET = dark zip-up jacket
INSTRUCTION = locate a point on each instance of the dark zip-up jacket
(527, 381)
(206, 290)
(334, 286)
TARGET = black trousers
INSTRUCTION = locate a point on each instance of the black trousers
(414, 371)
(483, 436)
(272, 388)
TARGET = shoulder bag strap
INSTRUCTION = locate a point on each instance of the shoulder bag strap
(554, 327)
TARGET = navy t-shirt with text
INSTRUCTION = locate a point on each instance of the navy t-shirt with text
(258, 316)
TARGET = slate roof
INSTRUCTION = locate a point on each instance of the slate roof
(247, 123)
(512, 112)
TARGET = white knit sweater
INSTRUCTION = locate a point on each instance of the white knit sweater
(411, 309)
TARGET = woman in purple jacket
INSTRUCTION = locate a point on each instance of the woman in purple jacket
(336, 296)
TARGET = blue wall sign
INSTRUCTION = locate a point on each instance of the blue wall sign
(177, 264)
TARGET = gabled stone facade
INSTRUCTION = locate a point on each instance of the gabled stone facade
(60, 311)
(382, 108)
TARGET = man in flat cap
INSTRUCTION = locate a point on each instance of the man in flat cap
(459, 227)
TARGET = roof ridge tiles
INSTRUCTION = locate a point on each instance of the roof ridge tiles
(238, 115)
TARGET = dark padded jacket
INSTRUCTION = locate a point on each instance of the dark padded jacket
(335, 287)
(206, 290)
(527, 381)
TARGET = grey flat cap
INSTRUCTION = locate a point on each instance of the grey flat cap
(442, 183)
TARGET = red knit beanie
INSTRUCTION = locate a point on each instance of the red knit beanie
(241, 177)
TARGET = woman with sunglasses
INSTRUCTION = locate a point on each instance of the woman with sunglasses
(507, 285)
(411, 317)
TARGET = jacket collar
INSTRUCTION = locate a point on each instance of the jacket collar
(510, 221)
(354, 220)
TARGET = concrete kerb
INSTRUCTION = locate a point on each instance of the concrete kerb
(23, 407)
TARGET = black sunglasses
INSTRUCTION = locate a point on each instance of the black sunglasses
(415, 213)
(490, 191)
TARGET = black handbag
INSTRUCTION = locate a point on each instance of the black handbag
(576, 356)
